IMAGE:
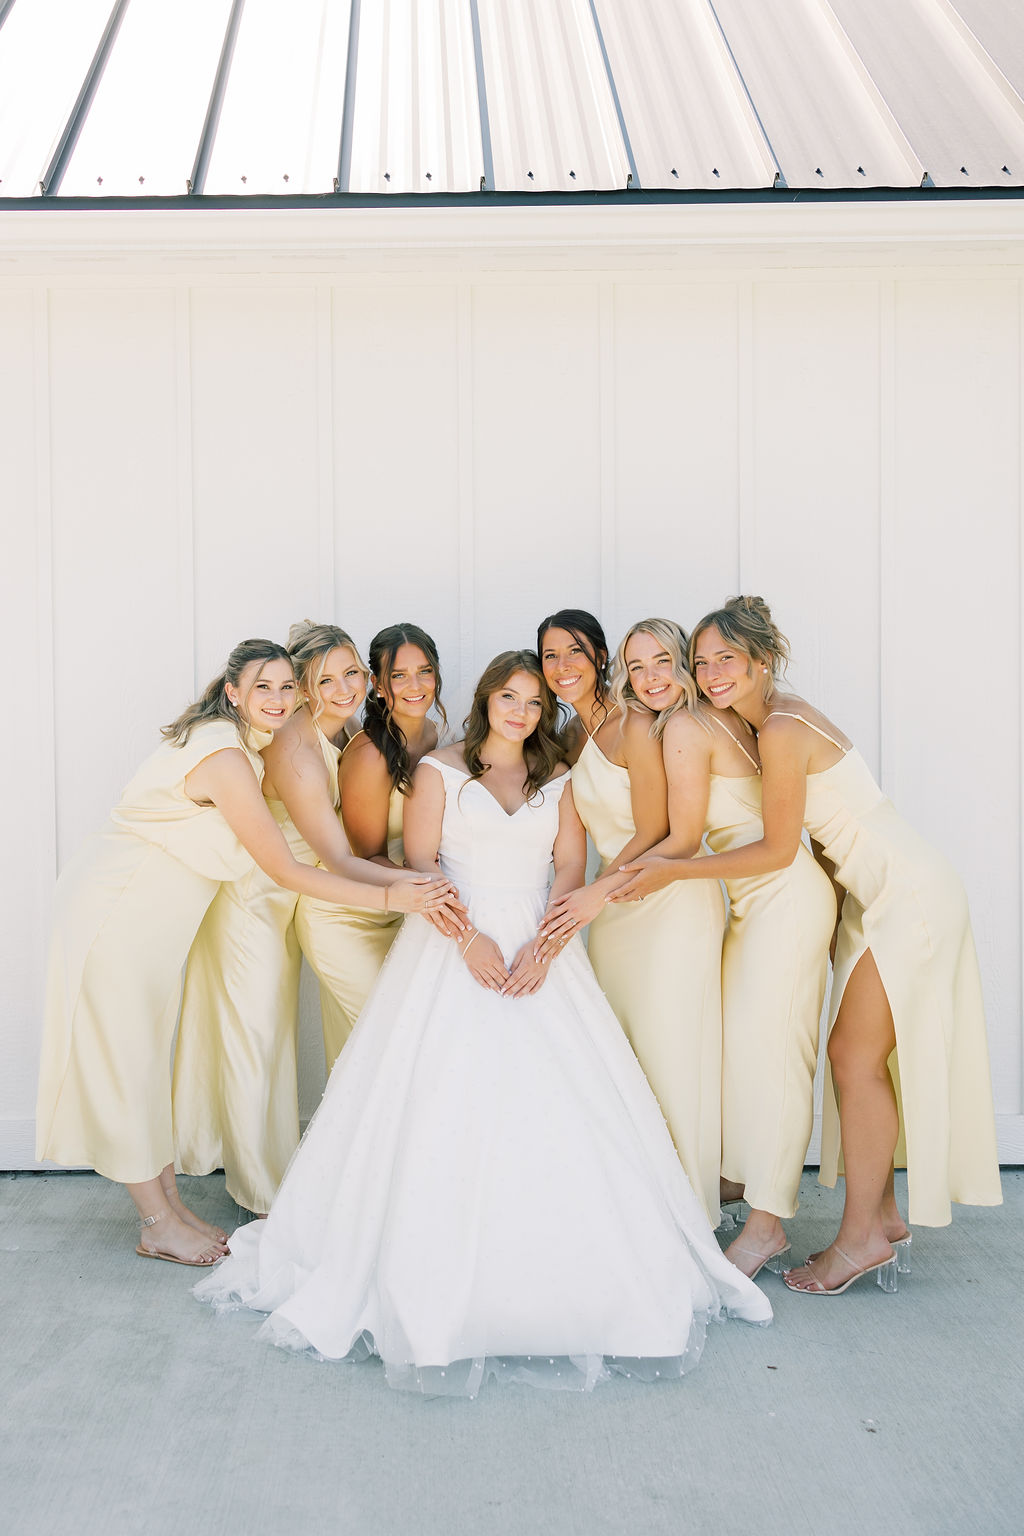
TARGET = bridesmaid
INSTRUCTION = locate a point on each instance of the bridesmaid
(775, 955)
(346, 951)
(660, 968)
(127, 908)
(235, 1092)
(906, 1004)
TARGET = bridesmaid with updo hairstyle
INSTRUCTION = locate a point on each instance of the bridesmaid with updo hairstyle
(775, 954)
(347, 950)
(659, 965)
(907, 1052)
(235, 1091)
(127, 908)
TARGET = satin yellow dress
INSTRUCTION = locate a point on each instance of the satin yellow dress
(126, 910)
(774, 971)
(659, 963)
(906, 904)
(345, 946)
(235, 1090)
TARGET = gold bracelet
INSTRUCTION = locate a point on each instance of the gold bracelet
(387, 897)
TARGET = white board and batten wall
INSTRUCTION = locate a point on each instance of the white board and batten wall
(209, 430)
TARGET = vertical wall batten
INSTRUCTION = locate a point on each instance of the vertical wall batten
(746, 535)
(44, 572)
(888, 513)
(607, 477)
(464, 479)
(186, 513)
(329, 597)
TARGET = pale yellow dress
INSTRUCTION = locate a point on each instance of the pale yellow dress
(126, 910)
(907, 905)
(774, 970)
(659, 963)
(235, 1089)
(345, 946)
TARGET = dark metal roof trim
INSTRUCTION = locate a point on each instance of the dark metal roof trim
(626, 198)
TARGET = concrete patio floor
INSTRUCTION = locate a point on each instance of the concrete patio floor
(129, 1408)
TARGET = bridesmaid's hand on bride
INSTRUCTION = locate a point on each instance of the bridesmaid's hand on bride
(484, 961)
(427, 894)
(527, 975)
(565, 917)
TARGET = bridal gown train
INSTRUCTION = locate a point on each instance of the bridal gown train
(488, 1188)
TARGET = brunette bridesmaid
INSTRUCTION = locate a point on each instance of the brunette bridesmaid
(127, 908)
(659, 966)
(347, 951)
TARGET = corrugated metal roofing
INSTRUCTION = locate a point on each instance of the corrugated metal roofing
(241, 97)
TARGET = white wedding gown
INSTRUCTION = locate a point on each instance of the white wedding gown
(488, 1187)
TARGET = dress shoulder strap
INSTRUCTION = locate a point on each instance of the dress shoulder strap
(722, 726)
(786, 714)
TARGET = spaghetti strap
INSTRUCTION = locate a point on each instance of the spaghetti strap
(786, 714)
(754, 764)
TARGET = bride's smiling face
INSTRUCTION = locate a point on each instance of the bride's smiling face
(514, 710)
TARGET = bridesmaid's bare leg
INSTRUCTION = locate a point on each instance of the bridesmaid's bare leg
(762, 1237)
(181, 1210)
(164, 1233)
(859, 1047)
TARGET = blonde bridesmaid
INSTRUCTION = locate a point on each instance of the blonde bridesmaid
(235, 1091)
(660, 967)
(775, 955)
(127, 908)
(346, 951)
(907, 1050)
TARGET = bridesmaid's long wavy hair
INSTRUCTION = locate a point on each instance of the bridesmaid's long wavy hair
(378, 717)
(309, 646)
(542, 749)
(213, 702)
(746, 623)
(589, 636)
(673, 638)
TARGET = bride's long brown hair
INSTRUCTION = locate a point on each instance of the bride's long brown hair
(542, 750)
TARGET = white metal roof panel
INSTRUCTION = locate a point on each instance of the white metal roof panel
(963, 118)
(141, 133)
(416, 116)
(280, 123)
(999, 27)
(45, 52)
(553, 123)
(687, 115)
(826, 122)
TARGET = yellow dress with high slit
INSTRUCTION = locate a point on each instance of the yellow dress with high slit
(126, 910)
(235, 1090)
(906, 904)
(774, 970)
(659, 963)
(345, 947)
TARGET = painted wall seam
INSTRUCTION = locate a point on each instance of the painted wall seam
(1020, 650)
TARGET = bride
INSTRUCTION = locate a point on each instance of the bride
(488, 1187)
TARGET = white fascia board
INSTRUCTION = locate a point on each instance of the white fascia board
(410, 238)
